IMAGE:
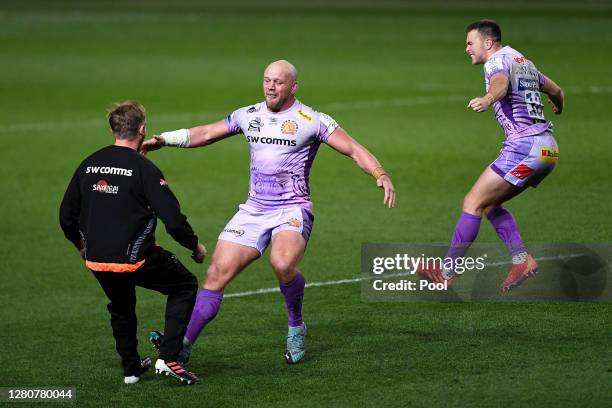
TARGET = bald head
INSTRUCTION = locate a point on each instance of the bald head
(282, 68)
(280, 85)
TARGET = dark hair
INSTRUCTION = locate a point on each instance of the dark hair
(486, 28)
(125, 119)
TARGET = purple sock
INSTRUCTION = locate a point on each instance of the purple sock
(205, 309)
(465, 233)
(507, 230)
(294, 294)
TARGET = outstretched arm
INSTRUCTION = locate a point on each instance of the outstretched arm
(340, 141)
(194, 137)
(498, 88)
(555, 95)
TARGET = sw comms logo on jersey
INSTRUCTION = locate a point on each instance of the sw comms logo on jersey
(289, 127)
(103, 187)
(271, 140)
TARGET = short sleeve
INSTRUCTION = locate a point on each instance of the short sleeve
(542, 79)
(327, 125)
(496, 65)
(233, 122)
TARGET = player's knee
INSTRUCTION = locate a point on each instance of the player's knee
(473, 205)
(490, 209)
(283, 267)
(217, 276)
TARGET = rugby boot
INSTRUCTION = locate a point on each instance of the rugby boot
(175, 370)
(519, 272)
(296, 344)
(156, 338)
(434, 274)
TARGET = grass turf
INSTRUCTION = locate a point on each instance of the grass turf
(366, 65)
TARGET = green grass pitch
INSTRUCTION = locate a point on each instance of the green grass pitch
(395, 75)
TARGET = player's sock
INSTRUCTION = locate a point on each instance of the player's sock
(465, 233)
(294, 295)
(507, 230)
(205, 309)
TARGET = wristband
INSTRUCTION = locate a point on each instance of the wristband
(177, 138)
(378, 172)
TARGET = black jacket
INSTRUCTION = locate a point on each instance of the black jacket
(112, 203)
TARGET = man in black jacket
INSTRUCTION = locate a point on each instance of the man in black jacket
(109, 212)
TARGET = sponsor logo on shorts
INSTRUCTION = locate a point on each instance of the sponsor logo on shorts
(522, 171)
(289, 127)
(304, 116)
(271, 140)
(103, 187)
(236, 232)
(255, 125)
(294, 222)
(549, 154)
(117, 171)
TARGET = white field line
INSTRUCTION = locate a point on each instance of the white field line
(199, 117)
(262, 291)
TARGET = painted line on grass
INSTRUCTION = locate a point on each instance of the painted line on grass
(332, 107)
(262, 291)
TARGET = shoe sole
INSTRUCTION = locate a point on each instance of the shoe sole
(289, 358)
(513, 285)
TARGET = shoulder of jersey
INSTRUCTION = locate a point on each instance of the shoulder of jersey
(495, 63)
(307, 114)
(254, 108)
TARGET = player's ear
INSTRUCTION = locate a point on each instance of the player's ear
(142, 130)
(294, 88)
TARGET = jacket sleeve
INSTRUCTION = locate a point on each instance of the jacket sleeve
(167, 207)
(70, 210)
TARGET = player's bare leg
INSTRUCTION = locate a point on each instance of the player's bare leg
(486, 197)
(288, 248)
(228, 260)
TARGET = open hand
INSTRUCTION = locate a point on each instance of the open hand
(155, 143)
(385, 183)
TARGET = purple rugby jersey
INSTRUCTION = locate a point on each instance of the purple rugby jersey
(283, 146)
(521, 112)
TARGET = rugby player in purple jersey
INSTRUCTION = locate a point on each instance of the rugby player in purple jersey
(284, 136)
(529, 153)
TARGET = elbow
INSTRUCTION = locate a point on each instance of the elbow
(558, 93)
